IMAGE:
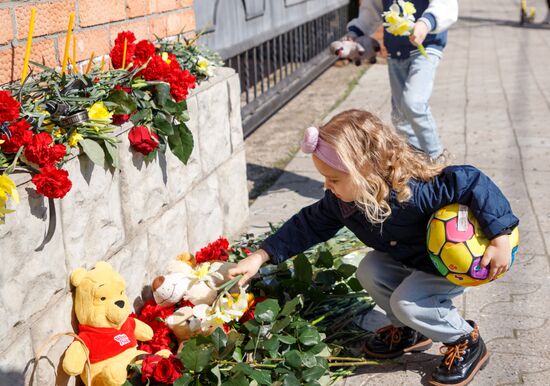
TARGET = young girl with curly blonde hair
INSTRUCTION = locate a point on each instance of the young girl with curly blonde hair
(385, 191)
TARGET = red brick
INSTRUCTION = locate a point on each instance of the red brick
(167, 5)
(140, 28)
(94, 12)
(6, 33)
(135, 8)
(173, 23)
(87, 41)
(11, 58)
(51, 17)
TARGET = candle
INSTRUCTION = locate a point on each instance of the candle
(67, 43)
(75, 68)
(29, 44)
(89, 66)
(74, 48)
(102, 63)
(124, 53)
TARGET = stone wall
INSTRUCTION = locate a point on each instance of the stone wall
(137, 218)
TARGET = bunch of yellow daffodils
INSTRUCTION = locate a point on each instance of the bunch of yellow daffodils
(399, 20)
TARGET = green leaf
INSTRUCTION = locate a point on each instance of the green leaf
(94, 151)
(162, 93)
(291, 380)
(267, 311)
(346, 270)
(287, 339)
(308, 359)
(252, 326)
(271, 344)
(124, 102)
(140, 116)
(195, 357)
(327, 278)
(219, 339)
(162, 125)
(313, 374)
(281, 324)
(181, 142)
(302, 269)
(325, 259)
(341, 289)
(293, 358)
(320, 349)
(354, 284)
(263, 377)
(291, 305)
(112, 152)
(309, 336)
(184, 380)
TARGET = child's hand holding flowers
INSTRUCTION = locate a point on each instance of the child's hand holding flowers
(400, 21)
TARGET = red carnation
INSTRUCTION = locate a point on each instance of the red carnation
(52, 182)
(41, 153)
(180, 83)
(159, 369)
(144, 50)
(213, 251)
(128, 35)
(157, 69)
(9, 107)
(151, 311)
(20, 136)
(143, 140)
(126, 89)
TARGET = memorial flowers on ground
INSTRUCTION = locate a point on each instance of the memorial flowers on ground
(289, 326)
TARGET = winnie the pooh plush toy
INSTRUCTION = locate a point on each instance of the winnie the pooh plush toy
(110, 335)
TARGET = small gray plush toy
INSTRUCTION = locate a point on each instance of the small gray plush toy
(356, 50)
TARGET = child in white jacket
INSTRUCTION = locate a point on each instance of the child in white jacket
(411, 74)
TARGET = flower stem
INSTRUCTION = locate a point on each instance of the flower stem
(422, 50)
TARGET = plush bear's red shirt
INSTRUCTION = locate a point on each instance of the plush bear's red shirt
(105, 342)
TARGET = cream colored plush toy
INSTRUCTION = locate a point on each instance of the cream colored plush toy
(110, 335)
(362, 48)
(194, 284)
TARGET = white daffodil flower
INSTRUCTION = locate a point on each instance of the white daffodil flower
(204, 66)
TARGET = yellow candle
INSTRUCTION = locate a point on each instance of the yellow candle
(124, 53)
(102, 63)
(74, 48)
(67, 43)
(29, 44)
(89, 66)
(75, 68)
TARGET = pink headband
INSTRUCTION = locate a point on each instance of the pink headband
(313, 144)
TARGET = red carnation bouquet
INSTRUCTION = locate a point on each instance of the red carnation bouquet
(159, 86)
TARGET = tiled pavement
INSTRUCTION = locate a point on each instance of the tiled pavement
(492, 104)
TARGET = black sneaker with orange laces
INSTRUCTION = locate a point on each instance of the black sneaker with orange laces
(391, 342)
(462, 360)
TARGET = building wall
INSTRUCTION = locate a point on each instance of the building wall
(97, 22)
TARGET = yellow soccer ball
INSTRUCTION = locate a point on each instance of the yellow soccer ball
(456, 245)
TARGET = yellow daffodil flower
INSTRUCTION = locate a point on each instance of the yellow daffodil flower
(408, 7)
(204, 67)
(164, 56)
(58, 132)
(75, 138)
(7, 187)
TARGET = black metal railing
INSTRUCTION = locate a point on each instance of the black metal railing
(272, 72)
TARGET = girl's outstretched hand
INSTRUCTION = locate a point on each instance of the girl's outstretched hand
(498, 254)
(249, 266)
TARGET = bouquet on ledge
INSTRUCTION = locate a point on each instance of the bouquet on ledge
(53, 116)
(291, 326)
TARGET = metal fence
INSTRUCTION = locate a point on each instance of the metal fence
(274, 71)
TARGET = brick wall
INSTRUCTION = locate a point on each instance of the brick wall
(97, 22)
